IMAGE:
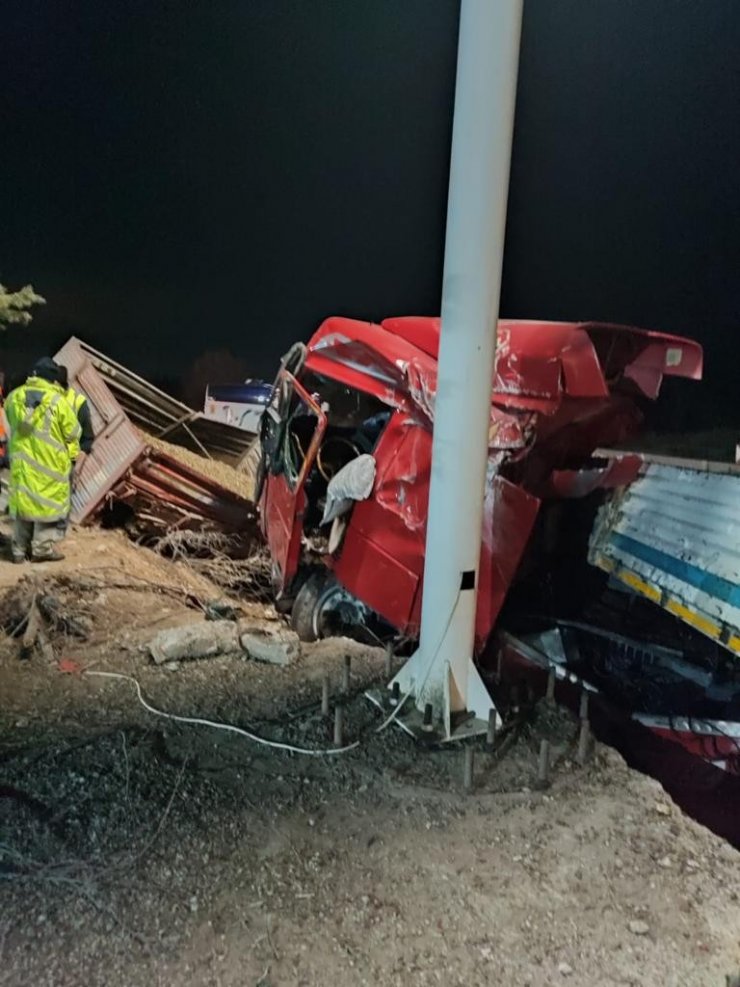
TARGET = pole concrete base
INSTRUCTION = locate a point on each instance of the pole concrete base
(460, 700)
(459, 709)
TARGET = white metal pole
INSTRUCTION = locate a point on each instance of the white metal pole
(441, 672)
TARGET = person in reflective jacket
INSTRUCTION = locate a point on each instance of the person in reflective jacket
(44, 431)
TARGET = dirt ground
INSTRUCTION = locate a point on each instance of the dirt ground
(138, 851)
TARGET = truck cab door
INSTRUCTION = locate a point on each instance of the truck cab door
(287, 459)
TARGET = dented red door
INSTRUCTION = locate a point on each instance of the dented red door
(283, 500)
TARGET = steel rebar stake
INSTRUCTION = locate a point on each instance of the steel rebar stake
(346, 669)
(584, 742)
(543, 765)
(338, 725)
(491, 731)
(550, 695)
(468, 765)
(325, 696)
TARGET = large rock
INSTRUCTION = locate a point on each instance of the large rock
(205, 640)
(276, 645)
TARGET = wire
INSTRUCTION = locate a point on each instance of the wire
(230, 728)
(276, 744)
(419, 688)
(394, 713)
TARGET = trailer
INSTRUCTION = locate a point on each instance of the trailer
(672, 535)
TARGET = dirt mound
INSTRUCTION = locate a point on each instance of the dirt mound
(180, 856)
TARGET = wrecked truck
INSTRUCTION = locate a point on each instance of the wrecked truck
(346, 447)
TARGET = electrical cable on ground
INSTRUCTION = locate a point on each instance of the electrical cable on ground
(255, 738)
(229, 727)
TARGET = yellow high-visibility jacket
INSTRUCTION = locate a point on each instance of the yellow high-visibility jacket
(43, 431)
(75, 400)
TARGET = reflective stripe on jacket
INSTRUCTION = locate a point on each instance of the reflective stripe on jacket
(43, 430)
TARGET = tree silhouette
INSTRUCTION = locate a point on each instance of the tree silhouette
(14, 305)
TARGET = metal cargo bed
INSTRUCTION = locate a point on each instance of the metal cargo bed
(673, 536)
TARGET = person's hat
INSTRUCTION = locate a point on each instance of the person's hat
(47, 369)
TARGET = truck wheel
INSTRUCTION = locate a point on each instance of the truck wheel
(253, 469)
(323, 607)
(302, 616)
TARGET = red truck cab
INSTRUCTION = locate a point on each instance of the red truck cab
(362, 390)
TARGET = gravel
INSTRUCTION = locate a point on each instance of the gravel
(240, 482)
(137, 851)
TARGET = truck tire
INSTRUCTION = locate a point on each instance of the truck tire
(305, 605)
(252, 468)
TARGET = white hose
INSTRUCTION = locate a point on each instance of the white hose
(197, 721)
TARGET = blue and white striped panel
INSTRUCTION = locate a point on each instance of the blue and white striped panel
(678, 530)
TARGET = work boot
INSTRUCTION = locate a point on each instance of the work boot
(18, 559)
(53, 556)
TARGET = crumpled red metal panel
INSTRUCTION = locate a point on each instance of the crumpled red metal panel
(403, 462)
(618, 472)
(536, 359)
(168, 480)
(164, 494)
(419, 330)
(527, 356)
(370, 568)
(509, 514)
(282, 505)
(117, 443)
(357, 354)
(382, 558)
(537, 363)
(638, 352)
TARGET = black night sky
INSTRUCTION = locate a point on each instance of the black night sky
(187, 175)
